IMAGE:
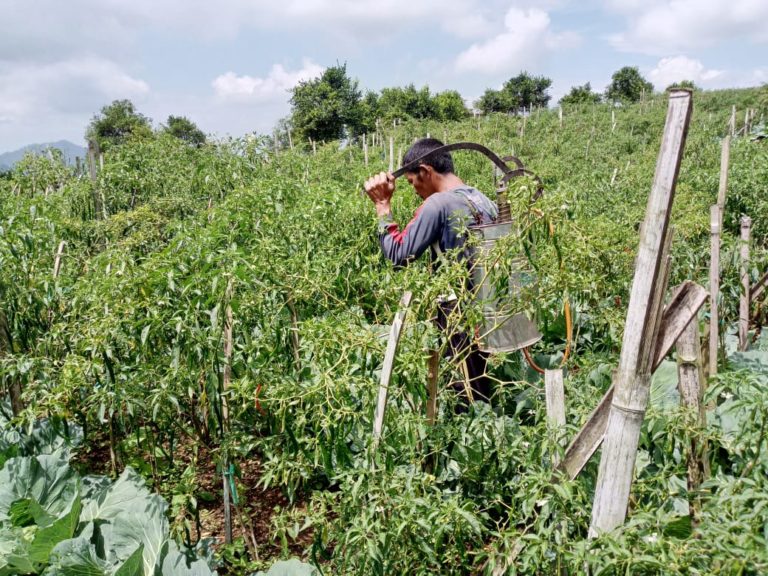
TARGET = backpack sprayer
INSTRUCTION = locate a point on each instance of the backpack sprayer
(499, 332)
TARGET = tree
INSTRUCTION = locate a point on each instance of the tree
(450, 105)
(184, 129)
(493, 101)
(328, 107)
(116, 123)
(525, 91)
(688, 84)
(580, 95)
(407, 102)
(627, 85)
(518, 94)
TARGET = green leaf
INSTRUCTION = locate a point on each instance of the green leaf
(47, 538)
(134, 565)
(177, 563)
(292, 567)
(47, 479)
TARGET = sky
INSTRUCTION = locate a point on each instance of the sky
(229, 65)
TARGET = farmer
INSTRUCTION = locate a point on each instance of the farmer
(440, 224)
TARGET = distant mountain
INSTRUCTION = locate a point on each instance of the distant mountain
(70, 151)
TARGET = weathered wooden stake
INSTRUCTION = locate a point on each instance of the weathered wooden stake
(714, 287)
(725, 154)
(691, 387)
(746, 227)
(732, 122)
(613, 120)
(433, 372)
(633, 377)
(554, 394)
(560, 115)
(684, 305)
(57, 259)
(365, 149)
(391, 154)
(386, 369)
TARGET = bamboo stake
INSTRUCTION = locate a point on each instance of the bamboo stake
(746, 226)
(684, 305)
(724, 159)
(386, 370)
(690, 385)
(57, 259)
(554, 394)
(732, 122)
(433, 371)
(634, 374)
(758, 288)
(714, 287)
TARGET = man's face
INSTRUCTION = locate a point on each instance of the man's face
(421, 181)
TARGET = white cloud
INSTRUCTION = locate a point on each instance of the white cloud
(69, 86)
(272, 88)
(678, 68)
(664, 26)
(526, 39)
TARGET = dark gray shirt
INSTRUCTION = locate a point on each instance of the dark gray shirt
(443, 218)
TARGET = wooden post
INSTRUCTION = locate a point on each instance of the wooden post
(725, 154)
(746, 226)
(386, 369)
(399, 156)
(365, 149)
(714, 287)
(732, 122)
(633, 378)
(290, 140)
(684, 305)
(554, 394)
(613, 121)
(560, 115)
(433, 372)
(57, 259)
(391, 154)
(690, 385)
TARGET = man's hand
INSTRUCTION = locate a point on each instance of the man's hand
(380, 188)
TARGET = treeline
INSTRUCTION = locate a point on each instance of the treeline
(334, 107)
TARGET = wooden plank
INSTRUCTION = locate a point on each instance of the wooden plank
(633, 377)
(386, 370)
(554, 394)
(714, 287)
(746, 227)
(683, 307)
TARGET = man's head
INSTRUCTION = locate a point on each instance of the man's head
(426, 178)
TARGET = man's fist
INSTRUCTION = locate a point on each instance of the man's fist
(380, 188)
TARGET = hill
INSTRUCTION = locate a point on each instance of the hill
(69, 149)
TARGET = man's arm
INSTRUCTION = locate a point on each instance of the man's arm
(410, 243)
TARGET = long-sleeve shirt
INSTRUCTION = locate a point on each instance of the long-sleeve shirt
(442, 218)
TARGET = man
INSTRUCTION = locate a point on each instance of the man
(440, 224)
